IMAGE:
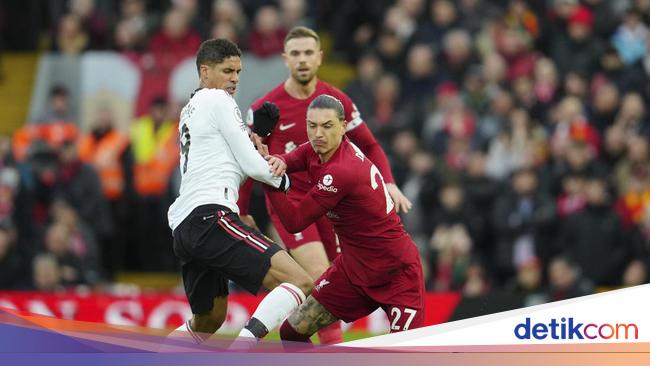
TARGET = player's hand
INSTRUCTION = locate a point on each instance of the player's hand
(249, 221)
(259, 145)
(265, 118)
(278, 166)
(402, 204)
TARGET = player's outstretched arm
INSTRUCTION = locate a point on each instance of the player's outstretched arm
(295, 218)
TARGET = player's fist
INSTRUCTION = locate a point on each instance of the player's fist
(265, 118)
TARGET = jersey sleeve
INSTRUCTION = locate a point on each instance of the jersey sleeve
(364, 140)
(228, 117)
(297, 160)
(352, 114)
(294, 218)
(333, 185)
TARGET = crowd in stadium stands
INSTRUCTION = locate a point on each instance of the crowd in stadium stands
(519, 129)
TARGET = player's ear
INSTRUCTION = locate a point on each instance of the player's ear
(320, 57)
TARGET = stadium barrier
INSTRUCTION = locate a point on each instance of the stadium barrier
(168, 310)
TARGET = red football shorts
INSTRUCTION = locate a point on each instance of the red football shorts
(402, 299)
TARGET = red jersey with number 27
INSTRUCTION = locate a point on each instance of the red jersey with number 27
(374, 244)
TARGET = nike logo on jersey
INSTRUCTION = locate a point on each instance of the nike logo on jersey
(284, 127)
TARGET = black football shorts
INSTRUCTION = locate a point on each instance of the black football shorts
(215, 246)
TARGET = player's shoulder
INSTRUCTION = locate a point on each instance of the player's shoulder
(213, 96)
(275, 95)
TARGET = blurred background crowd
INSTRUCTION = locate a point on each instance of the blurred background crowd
(519, 129)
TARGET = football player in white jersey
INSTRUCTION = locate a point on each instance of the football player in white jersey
(213, 244)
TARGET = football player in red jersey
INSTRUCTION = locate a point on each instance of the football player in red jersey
(315, 245)
(379, 265)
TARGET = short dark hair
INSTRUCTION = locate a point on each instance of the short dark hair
(301, 32)
(214, 51)
(325, 101)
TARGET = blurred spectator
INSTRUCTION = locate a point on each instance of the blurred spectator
(79, 184)
(635, 274)
(360, 89)
(528, 283)
(481, 192)
(175, 37)
(384, 120)
(631, 38)
(224, 30)
(230, 12)
(572, 197)
(9, 182)
(391, 51)
(595, 237)
(57, 241)
(127, 37)
(82, 240)
(632, 116)
(626, 78)
(109, 152)
(523, 220)
(93, 22)
(566, 281)
(443, 16)
(156, 155)
(635, 166)
(12, 266)
(46, 273)
(421, 166)
(267, 36)
(135, 13)
(546, 85)
(457, 55)
(521, 144)
(191, 10)
(605, 103)
(71, 39)
(58, 109)
(294, 13)
(577, 49)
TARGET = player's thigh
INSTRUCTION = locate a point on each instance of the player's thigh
(334, 291)
(285, 269)
(310, 317)
(311, 257)
(404, 299)
(248, 259)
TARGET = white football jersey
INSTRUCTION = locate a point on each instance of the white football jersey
(216, 155)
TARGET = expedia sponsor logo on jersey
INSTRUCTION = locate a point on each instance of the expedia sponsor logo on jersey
(323, 187)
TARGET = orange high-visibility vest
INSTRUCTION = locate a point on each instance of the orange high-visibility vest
(105, 156)
(54, 134)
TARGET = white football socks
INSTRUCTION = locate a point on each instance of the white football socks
(273, 309)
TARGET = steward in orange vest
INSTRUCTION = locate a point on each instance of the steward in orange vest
(108, 151)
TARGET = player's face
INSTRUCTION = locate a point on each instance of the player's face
(224, 75)
(303, 57)
(324, 130)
